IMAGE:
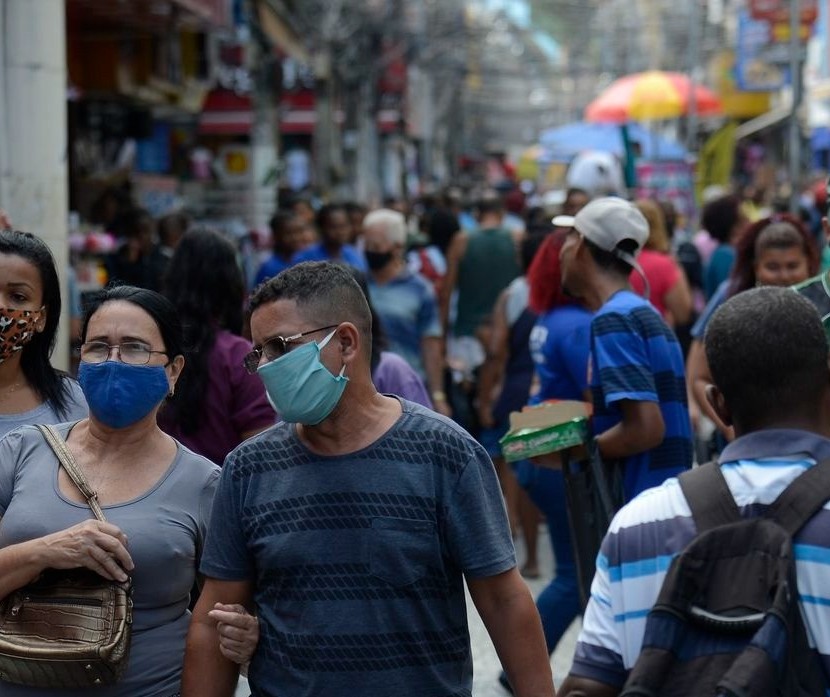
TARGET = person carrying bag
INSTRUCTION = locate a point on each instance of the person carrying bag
(69, 627)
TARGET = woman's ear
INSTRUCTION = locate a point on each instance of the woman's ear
(40, 325)
(174, 370)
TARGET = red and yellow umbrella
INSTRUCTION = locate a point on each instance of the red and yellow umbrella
(651, 95)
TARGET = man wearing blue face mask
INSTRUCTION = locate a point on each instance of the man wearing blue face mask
(350, 527)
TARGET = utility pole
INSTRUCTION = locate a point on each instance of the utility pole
(694, 60)
(796, 80)
(33, 137)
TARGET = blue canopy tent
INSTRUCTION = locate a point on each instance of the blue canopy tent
(563, 143)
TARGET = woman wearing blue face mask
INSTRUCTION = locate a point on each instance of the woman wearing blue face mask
(155, 493)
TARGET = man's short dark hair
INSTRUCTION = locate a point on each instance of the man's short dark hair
(325, 293)
(767, 352)
(720, 217)
(610, 262)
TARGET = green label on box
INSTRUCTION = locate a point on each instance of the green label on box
(530, 442)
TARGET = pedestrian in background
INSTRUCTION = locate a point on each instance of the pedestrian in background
(774, 251)
(286, 231)
(669, 290)
(335, 230)
(217, 404)
(405, 302)
(636, 372)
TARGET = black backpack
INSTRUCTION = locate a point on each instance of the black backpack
(727, 622)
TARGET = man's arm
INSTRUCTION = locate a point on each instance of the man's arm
(454, 255)
(491, 372)
(207, 673)
(507, 610)
(583, 687)
(642, 428)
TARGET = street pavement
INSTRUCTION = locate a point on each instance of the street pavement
(485, 662)
(486, 666)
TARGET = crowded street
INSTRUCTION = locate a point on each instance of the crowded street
(437, 348)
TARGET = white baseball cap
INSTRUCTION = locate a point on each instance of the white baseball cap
(608, 221)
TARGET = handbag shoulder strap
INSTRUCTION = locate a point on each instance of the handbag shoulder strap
(58, 445)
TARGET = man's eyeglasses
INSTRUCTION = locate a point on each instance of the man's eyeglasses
(130, 352)
(275, 348)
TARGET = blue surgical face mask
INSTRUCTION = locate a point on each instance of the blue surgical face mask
(119, 394)
(300, 387)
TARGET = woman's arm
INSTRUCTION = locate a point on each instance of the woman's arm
(98, 546)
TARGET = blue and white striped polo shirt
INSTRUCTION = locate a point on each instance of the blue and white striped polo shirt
(657, 525)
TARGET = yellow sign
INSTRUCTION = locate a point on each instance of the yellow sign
(737, 104)
(781, 32)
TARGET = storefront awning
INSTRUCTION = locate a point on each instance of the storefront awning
(226, 113)
(773, 117)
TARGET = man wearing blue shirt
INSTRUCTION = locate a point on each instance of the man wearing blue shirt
(336, 231)
(768, 355)
(636, 376)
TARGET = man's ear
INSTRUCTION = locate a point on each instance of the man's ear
(348, 338)
(716, 400)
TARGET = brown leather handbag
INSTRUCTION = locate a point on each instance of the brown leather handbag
(68, 628)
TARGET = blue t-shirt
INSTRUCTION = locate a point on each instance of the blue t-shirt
(560, 344)
(270, 268)
(348, 255)
(718, 269)
(358, 560)
(408, 312)
(719, 298)
(635, 356)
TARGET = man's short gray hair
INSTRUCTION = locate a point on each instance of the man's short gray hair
(392, 222)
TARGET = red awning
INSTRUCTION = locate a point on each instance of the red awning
(226, 113)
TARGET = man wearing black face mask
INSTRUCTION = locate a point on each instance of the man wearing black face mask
(404, 301)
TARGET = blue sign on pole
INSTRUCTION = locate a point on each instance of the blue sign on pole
(754, 71)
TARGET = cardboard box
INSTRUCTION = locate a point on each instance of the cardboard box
(546, 428)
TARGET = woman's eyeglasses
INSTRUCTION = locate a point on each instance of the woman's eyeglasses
(130, 352)
(275, 348)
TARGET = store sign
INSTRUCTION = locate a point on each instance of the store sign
(779, 10)
(754, 69)
(667, 181)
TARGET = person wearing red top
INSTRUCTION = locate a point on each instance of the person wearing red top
(669, 290)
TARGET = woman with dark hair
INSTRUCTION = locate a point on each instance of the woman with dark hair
(774, 251)
(31, 390)
(156, 494)
(217, 404)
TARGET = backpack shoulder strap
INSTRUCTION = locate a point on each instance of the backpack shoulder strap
(802, 499)
(708, 495)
